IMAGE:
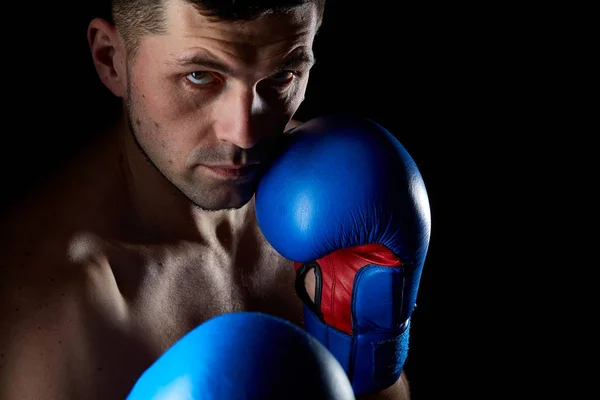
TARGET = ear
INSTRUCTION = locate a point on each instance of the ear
(108, 54)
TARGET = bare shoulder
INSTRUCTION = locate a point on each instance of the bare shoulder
(36, 310)
(41, 277)
(43, 306)
(40, 234)
(39, 273)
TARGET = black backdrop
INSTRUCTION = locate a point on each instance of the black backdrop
(396, 63)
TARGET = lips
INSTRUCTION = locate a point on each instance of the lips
(234, 172)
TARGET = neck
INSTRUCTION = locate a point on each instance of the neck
(160, 212)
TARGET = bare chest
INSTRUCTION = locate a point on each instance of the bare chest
(184, 289)
(139, 309)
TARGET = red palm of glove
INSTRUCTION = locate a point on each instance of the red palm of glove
(334, 281)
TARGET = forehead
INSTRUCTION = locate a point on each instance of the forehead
(263, 37)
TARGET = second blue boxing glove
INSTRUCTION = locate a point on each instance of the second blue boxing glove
(244, 355)
(345, 199)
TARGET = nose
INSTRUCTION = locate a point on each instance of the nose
(237, 110)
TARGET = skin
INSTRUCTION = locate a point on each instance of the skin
(137, 241)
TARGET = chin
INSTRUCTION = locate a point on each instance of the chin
(229, 198)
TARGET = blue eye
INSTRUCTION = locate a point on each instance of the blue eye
(200, 77)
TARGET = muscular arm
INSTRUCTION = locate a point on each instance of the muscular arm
(292, 124)
(398, 391)
(32, 340)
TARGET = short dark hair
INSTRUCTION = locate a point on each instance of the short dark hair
(135, 18)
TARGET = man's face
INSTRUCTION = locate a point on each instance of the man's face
(209, 97)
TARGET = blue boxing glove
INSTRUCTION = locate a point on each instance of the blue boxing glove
(345, 199)
(244, 355)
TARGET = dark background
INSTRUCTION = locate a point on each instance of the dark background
(424, 71)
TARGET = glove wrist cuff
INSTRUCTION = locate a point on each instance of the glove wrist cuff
(372, 361)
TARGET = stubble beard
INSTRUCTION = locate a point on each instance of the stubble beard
(130, 107)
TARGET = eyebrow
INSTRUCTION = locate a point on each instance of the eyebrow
(202, 60)
(298, 59)
(295, 60)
